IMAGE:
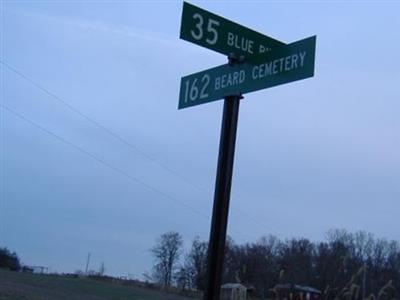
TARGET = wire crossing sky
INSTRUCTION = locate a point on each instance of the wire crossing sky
(104, 77)
(134, 148)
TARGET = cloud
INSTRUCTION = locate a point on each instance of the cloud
(84, 24)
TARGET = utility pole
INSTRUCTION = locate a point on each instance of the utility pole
(364, 280)
(87, 263)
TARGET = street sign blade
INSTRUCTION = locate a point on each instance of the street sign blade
(209, 30)
(283, 65)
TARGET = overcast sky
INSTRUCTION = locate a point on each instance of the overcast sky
(95, 156)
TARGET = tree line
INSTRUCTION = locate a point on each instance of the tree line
(340, 266)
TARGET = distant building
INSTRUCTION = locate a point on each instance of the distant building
(35, 269)
(233, 291)
(295, 292)
(26, 269)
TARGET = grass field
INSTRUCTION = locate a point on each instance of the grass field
(23, 286)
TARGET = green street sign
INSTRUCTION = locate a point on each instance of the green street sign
(222, 35)
(288, 63)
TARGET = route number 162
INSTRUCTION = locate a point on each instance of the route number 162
(196, 89)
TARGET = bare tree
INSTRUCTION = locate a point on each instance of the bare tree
(196, 261)
(166, 252)
(182, 278)
(345, 266)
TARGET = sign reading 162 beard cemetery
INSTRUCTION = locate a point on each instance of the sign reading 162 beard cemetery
(256, 62)
(288, 63)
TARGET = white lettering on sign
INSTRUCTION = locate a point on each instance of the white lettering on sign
(283, 64)
(199, 34)
(240, 43)
(211, 28)
(192, 91)
(263, 49)
(302, 56)
(230, 79)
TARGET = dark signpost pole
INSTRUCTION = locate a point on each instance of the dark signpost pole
(223, 184)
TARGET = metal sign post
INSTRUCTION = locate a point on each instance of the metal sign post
(223, 182)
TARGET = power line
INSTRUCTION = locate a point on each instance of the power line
(120, 138)
(99, 160)
(98, 125)
(108, 165)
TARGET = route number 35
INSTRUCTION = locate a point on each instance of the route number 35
(198, 33)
